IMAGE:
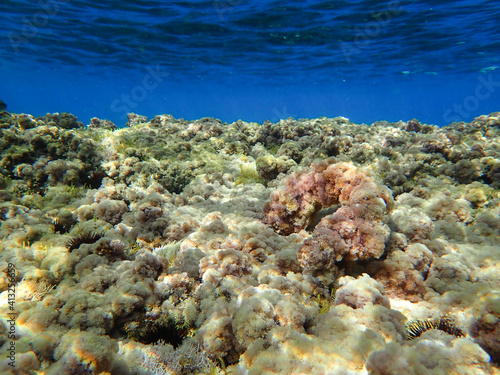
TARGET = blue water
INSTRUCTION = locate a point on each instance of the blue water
(437, 61)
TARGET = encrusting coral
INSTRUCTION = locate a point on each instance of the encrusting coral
(355, 231)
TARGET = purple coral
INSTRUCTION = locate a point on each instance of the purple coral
(354, 231)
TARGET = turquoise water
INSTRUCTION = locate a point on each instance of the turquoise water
(365, 60)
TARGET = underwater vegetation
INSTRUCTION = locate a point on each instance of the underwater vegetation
(303, 246)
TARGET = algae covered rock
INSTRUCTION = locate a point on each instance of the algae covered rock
(63, 120)
(303, 246)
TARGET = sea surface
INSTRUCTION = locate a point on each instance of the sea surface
(437, 61)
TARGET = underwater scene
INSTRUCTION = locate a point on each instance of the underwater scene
(235, 187)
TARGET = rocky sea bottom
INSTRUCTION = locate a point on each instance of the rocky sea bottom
(310, 246)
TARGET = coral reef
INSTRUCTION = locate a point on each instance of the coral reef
(303, 246)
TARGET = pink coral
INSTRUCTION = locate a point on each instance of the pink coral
(355, 231)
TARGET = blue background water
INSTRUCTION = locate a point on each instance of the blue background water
(255, 60)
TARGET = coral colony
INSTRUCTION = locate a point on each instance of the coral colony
(311, 246)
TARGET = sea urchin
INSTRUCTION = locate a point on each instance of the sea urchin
(446, 324)
(88, 238)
